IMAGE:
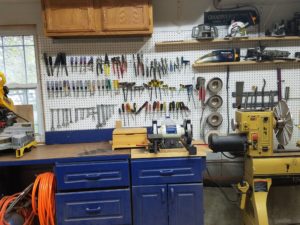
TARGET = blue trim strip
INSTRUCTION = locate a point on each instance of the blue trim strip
(80, 136)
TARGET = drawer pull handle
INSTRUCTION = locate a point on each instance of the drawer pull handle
(96, 176)
(166, 172)
(172, 194)
(92, 211)
(163, 195)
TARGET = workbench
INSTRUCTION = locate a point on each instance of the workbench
(96, 185)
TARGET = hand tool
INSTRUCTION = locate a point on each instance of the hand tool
(106, 66)
(255, 96)
(93, 87)
(177, 108)
(154, 69)
(68, 88)
(60, 84)
(123, 65)
(161, 108)
(154, 109)
(287, 93)
(80, 64)
(67, 117)
(239, 86)
(91, 64)
(72, 63)
(63, 118)
(76, 115)
(140, 65)
(81, 88)
(73, 88)
(120, 114)
(71, 119)
(149, 110)
(99, 66)
(51, 65)
(147, 69)
(65, 88)
(76, 63)
(99, 87)
(134, 66)
(103, 86)
(184, 62)
(52, 119)
(64, 63)
(77, 87)
(246, 101)
(146, 110)
(263, 94)
(52, 88)
(99, 124)
(58, 120)
(56, 88)
(133, 111)
(190, 93)
(116, 87)
(200, 86)
(47, 64)
(279, 82)
(123, 111)
(84, 64)
(48, 88)
(86, 85)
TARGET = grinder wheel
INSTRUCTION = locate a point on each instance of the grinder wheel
(284, 123)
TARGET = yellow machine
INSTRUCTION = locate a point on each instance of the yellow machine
(13, 135)
(254, 137)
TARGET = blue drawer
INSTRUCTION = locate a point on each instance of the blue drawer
(90, 175)
(167, 171)
(106, 207)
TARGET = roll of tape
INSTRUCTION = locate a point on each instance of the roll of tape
(215, 119)
(215, 85)
(215, 102)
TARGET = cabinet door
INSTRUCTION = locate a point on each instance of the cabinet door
(185, 204)
(126, 15)
(150, 205)
(68, 16)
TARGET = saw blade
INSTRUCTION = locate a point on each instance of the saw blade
(284, 127)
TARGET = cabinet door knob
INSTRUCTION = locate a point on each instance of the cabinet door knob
(172, 194)
(163, 195)
(92, 211)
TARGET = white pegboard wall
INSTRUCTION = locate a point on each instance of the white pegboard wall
(251, 75)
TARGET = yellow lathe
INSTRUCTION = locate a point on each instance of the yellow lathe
(254, 137)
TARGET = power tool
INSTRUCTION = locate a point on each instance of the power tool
(171, 136)
(227, 55)
(204, 32)
(254, 140)
(13, 135)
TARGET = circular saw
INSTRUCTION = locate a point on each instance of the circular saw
(284, 123)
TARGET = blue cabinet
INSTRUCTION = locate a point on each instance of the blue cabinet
(185, 204)
(150, 205)
(178, 204)
(167, 191)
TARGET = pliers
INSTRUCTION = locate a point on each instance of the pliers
(99, 67)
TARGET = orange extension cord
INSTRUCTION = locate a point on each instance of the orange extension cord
(42, 202)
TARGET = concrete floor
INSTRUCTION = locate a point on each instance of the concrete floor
(283, 206)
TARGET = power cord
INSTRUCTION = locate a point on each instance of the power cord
(234, 202)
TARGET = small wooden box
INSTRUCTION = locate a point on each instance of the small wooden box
(129, 138)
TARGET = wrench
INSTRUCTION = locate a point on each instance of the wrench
(58, 122)
(67, 117)
(103, 114)
(76, 115)
(70, 115)
(63, 117)
(52, 120)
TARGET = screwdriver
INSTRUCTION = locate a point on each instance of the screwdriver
(149, 111)
(128, 110)
(116, 86)
(76, 63)
(153, 109)
(134, 111)
(78, 87)
(165, 108)
(72, 63)
(48, 88)
(123, 111)
(52, 88)
(99, 87)
(161, 108)
(73, 88)
(177, 108)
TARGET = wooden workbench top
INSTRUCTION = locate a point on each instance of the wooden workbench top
(55, 153)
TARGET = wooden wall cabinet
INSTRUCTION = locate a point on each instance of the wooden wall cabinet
(97, 17)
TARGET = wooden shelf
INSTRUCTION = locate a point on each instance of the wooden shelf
(222, 40)
(245, 63)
